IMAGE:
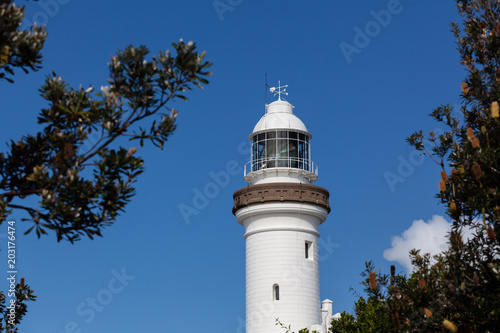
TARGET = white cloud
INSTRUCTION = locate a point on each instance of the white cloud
(430, 237)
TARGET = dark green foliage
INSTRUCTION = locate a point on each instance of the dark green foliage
(82, 178)
(379, 312)
(459, 289)
(20, 295)
(77, 167)
(346, 324)
(463, 283)
(18, 48)
(370, 317)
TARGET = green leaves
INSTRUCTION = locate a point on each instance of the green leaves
(416, 140)
(77, 165)
(461, 287)
(458, 289)
(18, 48)
(346, 323)
(380, 311)
(21, 294)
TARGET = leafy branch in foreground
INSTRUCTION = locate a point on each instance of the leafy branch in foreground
(459, 289)
(12, 313)
(18, 48)
(75, 166)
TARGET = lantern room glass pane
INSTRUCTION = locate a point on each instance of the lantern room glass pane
(307, 159)
(269, 156)
(255, 155)
(293, 153)
(259, 151)
(302, 154)
(282, 134)
(282, 153)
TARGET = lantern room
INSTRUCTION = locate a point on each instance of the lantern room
(280, 148)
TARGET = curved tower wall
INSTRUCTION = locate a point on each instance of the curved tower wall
(276, 256)
(281, 212)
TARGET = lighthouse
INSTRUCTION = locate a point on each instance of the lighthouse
(281, 212)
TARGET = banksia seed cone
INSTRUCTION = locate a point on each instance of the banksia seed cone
(476, 171)
(444, 177)
(395, 316)
(442, 186)
(4, 55)
(393, 270)
(453, 208)
(421, 283)
(450, 326)
(494, 110)
(428, 313)
(470, 133)
(491, 233)
(465, 89)
(451, 287)
(21, 283)
(373, 282)
(475, 143)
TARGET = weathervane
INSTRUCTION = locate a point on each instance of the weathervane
(279, 90)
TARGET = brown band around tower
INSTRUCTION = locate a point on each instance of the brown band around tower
(281, 192)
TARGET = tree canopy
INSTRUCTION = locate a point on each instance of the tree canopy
(457, 290)
(79, 166)
(18, 48)
(83, 184)
(82, 165)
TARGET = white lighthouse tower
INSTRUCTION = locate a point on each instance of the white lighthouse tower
(281, 212)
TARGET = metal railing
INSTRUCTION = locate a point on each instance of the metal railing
(276, 162)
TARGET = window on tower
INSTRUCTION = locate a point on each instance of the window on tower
(276, 292)
(308, 250)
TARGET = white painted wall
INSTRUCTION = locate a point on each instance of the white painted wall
(275, 254)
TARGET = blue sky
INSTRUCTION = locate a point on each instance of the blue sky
(156, 270)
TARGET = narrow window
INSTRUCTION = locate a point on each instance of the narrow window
(276, 292)
(308, 250)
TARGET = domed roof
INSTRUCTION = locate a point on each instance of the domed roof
(279, 115)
